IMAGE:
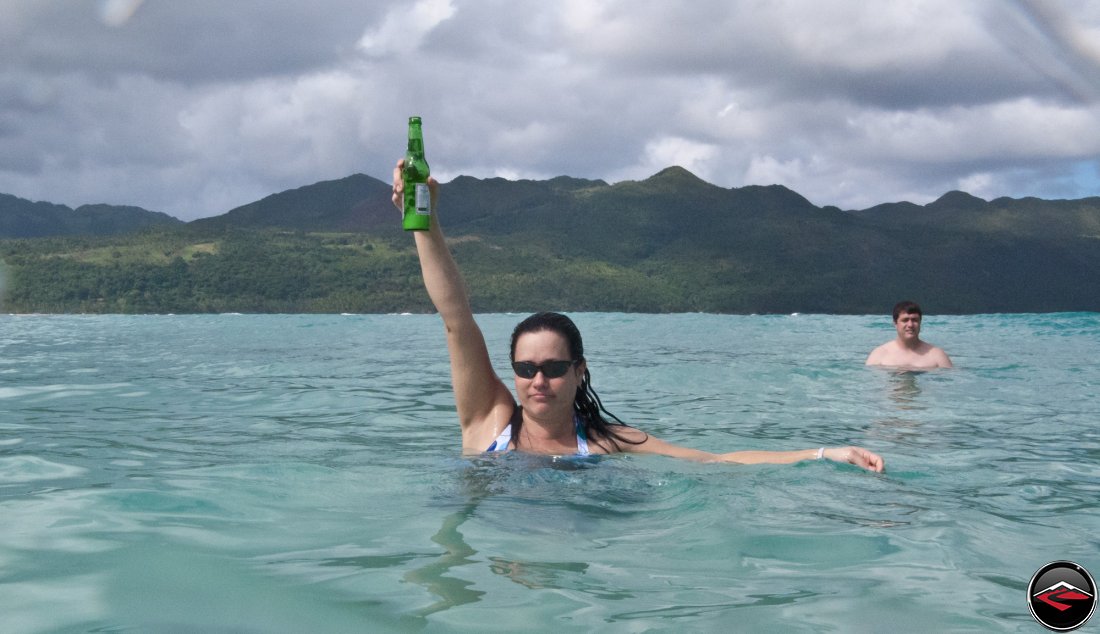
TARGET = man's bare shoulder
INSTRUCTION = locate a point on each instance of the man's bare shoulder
(924, 356)
(940, 357)
(882, 354)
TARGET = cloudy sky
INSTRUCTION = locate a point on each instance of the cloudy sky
(195, 107)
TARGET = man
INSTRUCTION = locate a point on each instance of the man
(907, 350)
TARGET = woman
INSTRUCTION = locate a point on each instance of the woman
(558, 412)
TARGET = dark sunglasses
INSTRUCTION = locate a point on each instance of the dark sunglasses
(550, 369)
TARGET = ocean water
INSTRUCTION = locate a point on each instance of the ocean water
(302, 473)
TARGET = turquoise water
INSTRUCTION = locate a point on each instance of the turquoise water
(246, 473)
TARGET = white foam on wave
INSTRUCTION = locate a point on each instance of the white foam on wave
(60, 390)
(33, 468)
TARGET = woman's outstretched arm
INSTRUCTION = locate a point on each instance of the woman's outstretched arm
(852, 455)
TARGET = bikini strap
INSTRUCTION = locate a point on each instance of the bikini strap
(505, 437)
(582, 436)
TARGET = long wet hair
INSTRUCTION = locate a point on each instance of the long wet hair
(586, 403)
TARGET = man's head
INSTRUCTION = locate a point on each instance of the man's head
(907, 318)
(906, 308)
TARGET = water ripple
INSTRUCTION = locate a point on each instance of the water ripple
(305, 472)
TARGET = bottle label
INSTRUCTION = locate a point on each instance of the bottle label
(423, 200)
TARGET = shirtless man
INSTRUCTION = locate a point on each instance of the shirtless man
(907, 350)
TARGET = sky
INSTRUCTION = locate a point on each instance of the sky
(195, 107)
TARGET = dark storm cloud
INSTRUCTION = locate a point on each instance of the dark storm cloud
(195, 107)
(193, 42)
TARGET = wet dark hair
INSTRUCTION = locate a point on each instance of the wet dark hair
(906, 307)
(586, 403)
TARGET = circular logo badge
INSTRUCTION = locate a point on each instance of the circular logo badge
(1062, 596)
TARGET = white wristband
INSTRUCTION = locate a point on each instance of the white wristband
(820, 453)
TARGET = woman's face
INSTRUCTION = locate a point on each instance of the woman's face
(541, 396)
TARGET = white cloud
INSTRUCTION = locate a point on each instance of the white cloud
(976, 184)
(405, 26)
(118, 12)
(693, 156)
(1019, 128)
(767, 170)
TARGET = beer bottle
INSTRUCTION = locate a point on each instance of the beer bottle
(418, 200)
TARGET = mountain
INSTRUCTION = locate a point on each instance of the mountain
(671, 242)
(677, 242)
(20, 218)
(355, 203)
(1024, 217)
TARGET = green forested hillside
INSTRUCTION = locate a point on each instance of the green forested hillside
(20, 218)
(669, 243)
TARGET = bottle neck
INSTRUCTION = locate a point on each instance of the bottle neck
(416, 136)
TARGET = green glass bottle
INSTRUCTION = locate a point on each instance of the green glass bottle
(418, 200)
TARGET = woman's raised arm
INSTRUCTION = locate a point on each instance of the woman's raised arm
(480, 396)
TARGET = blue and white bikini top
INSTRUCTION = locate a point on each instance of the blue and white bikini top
(505, 437)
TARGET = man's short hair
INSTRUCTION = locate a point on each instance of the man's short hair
(906, 307)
